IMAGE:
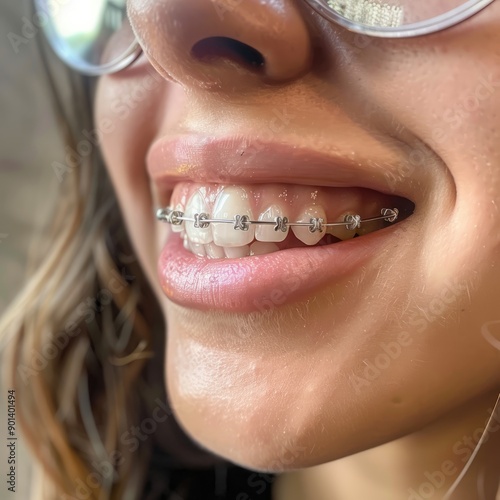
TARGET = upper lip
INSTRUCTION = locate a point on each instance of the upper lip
(245, 160)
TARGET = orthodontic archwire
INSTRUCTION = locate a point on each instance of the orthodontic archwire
(242, 222)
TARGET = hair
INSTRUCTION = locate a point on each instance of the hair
(81, 336)
(79, 333)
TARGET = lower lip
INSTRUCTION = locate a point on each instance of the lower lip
(263, 282)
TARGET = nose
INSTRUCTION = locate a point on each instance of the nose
(223, 43)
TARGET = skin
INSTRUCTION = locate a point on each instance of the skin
(291, 390)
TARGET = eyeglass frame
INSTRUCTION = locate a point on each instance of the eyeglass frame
(433, 25)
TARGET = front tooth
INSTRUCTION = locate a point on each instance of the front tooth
(178, 228)
(342, 232)
(214, 251)
(197, 205)
(197, 249)
(237, 252)
(232, 201)
(303, 233)
(263, 247)
(266, 232)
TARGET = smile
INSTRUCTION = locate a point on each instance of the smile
(241, 241)
(233, 231)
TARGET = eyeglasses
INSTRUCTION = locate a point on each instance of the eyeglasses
(95, 37)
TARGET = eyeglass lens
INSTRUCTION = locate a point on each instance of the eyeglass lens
(97, 33)
(390, 13)
(94, 33)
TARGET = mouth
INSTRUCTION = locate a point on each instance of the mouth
(220, 222)
(253, 246)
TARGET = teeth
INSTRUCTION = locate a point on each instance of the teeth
(237, 237)
(232, 201)
(266, 232)
(197, 205)
(263, 247)
(197, 249)
(214, 251)
(178, 228)
(303, 233)
(237, 252)
(370, 227)
(342, 232)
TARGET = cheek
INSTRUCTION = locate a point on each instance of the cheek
(126, 112)
(443, 102)
(126, 117)
(441, 95)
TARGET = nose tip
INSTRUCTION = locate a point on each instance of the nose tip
(223, 42)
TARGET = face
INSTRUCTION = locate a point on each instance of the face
(290, 349)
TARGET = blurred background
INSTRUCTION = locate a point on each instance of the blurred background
(29, 144)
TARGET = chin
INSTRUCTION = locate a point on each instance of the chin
(282, 398)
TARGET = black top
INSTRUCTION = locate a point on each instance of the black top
(221, 482)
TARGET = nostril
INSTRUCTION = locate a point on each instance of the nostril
(217, 47)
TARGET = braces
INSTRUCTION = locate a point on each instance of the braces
(242, 222)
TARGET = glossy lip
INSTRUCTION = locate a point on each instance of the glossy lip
(241, 160)
(263, 282)
(259, 283)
